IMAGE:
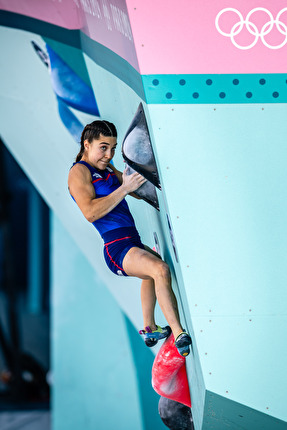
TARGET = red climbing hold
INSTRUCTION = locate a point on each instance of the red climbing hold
(169, 377)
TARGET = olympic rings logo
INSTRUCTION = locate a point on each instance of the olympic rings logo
(252, 28)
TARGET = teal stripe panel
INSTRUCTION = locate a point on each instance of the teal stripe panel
(210, 89)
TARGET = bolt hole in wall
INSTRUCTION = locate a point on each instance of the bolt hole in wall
(24, 293)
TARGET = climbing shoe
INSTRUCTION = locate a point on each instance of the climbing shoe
(151, 337)
(182, 343)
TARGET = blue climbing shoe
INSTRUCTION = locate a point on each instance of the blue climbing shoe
(151, 337)
(182, 343)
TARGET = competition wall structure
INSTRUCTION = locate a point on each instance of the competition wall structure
(213, 82)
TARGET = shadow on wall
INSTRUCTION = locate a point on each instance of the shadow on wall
(24, 355)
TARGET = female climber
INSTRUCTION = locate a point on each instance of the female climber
(99, 190)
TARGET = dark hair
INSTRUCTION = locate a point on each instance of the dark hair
(92, 131)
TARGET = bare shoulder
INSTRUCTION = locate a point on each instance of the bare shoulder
(80, 183)
(79, 172)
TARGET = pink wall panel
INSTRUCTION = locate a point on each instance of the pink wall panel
(181, 36)
(177, 37)
(102, 20)
(59, 12)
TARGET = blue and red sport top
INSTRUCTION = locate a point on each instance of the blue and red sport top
(105, 182)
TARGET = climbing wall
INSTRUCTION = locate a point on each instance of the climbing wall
(213, 83)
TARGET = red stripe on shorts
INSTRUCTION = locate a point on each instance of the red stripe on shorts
(106, 245)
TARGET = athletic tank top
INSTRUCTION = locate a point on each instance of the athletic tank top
(105, 182)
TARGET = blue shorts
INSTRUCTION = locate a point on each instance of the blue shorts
(117, 243)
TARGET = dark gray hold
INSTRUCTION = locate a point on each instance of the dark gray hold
(138, 154)
(147, 191)
(175, 415)
(137, 148)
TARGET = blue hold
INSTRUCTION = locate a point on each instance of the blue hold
(69, 87)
